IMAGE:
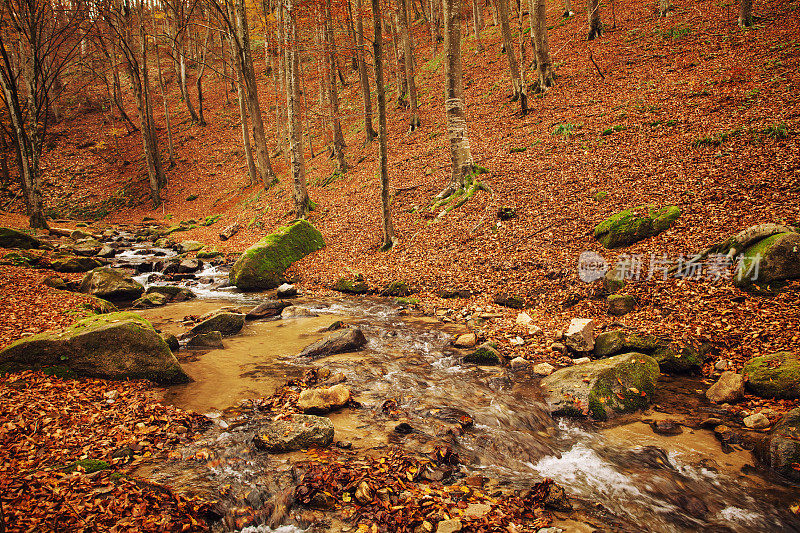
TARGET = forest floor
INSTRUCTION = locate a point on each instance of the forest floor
(690, 111)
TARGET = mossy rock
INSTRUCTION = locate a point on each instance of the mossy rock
(209, 220)
(602, 389)
(485, 354)
(783, 446)
(621, 304)
(75, 263)
(600, 196)
(511, 301)
(119, 345)
(89, 466)
(628, 227)
(148, 301)
(671, 357)
(15, 259)
(448, 294)
(172, 292)
(110, 284)
(506, 213)
(773, 376)
(11, 238)
(775, 258)
(190, 246)
(262, 265)
(614, 280)
(398, 289)
(355, 285)
(208, 253)
(99, 306)
(224, 322)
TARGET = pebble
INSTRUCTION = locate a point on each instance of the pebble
(544, 369)
(518, 363)
(449, 526)
(581, 360)
(722, 365)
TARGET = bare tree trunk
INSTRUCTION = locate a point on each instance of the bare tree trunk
(369, 130)
(493, 11)
(460, 153)
(664, 6)
(296, 153)
(351, 32)
(402, 82)
(433, 27)
(307, 107)
(170, 147)
(377, 48)
(409, 65)
(242, 99)
(179, 48)
(541, 45)
(745, 13)
(477, 25)
(248, 74)
(117, 90)
(225, 78)
(5, 174)
(595, 26)
(517, 83)
(280, 86)
(152, 155)
(333, 93)
(520, 17)
(203, 56)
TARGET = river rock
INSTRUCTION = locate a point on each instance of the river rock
(351, 285)
(344, 340)
(225, 322)
(106, 252)
(295, 311)
(603, 388)
(782, 449)
(110, 284)
(485, 354)
(148, 301)
(56, 282)
(262, 265)
(397, 289)
(620, 304)
(172, 341)
(286, 290)
(630, 226)
(319, 401)
(756, 421)
(294, 432)
(666, 427)
(728, 388)
(773, 376)
(229, 231)
(210, 339)
(509, 300)
(580, 335)
(779, 259)
(671, 357)
(208, 253)
(189, 246)
(466, 340)
(11, 238)
(189, 266)
(78, 234)
(119, 345)
(266, 309)
(544, 369)
(449, 526)
(172, 293)
(87, 247)
(74, 264)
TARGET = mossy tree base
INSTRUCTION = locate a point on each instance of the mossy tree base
(457, 195)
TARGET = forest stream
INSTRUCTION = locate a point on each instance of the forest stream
(621, 477)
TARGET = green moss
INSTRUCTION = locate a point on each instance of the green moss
(626, 227)
(397, 288)
(600, 196)
(624, 388)
(406, 301)
(209, 220)
(485, 354)
(356, 285)
(90, 466)
(262, 265)
(774, 376)
(208, 253)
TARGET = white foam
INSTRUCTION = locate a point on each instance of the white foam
(740, 516)
(265, 529)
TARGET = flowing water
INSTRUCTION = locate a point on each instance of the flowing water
(624, 477)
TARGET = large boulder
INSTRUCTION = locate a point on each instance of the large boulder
(262, 265)
(11, 238)
(485, 354)
(775, 258)
(294, 433)
(774, 376)
(150, 300)
(630, 226)
(224, 322)
(344, 340)
(782, 450)
(603, 388)
(728, 388)
(87, 247)
(172, 293)
(73, 263)
(110, 284)
(671, 357)
(119, 345)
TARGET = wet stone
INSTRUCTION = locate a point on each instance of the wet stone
(666, 427)
(294, 433)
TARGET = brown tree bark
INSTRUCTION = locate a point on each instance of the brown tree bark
(409, 65)
(517, 82)
(333, 92)
(460, 153)
(541, 45)
(377, 47)
(170, 147)
(203, 58)
(745, 13)
(369, 130)
(296, 153)
(477, 25)
(595, 26)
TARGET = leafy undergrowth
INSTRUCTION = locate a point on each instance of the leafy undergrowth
(66, 446)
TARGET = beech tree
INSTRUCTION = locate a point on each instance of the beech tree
(408, 53)
(369, 130)
(46, 38)
(540, 45)
(383, 166)
(179, 13)
(745, 13)
(463, 166)
(333, 92)
(595, 26)
(517, 81)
